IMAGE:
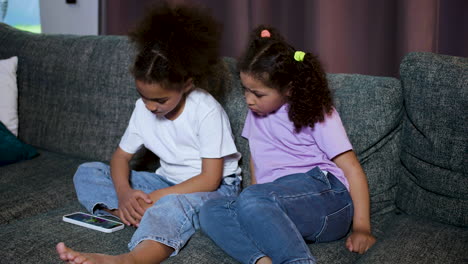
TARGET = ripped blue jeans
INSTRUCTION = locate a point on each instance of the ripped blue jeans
(171, 221)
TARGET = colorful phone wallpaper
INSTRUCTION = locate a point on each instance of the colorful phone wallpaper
(93, 221)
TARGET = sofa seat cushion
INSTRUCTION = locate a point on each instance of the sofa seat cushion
(410, 239)
(37, 185)
(435, 138)
(19, 237)
(33, 240)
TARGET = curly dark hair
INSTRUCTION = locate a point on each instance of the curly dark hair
(175, 43)
(271, 61)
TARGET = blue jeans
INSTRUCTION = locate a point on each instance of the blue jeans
(171, 221)
(274, 219)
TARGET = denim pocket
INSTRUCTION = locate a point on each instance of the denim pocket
(336, 225)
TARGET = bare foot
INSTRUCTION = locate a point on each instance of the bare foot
(71, 256)
(147, 251)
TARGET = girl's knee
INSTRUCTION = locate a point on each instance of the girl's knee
(170, 200)
(171, 204)
(90, 169)
(254, 199)
(253, 193)
(93, 165)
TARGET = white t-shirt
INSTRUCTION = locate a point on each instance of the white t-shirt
(202, 130)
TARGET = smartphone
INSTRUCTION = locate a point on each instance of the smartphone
(93, 222)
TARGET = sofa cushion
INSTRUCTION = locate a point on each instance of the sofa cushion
(435, 138)
(87, 122)
(371, 109)
(409, 239)
(84, 123)
(35, 186)
(9, 92)
(33, 240)
(226, 87)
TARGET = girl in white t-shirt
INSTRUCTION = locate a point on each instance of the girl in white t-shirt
(184, 126)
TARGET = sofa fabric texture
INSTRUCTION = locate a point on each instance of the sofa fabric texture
(72, 123)
(435, 138)
(76, 95)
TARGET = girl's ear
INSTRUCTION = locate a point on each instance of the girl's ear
(188, 85)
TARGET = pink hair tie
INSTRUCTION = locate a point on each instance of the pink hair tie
(265, 34)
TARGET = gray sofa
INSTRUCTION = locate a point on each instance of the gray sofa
(76, 96)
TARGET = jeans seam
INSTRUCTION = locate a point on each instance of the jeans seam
(248, 237)
(232, 210)
(304, 245)
(185, 219)
(310, 193)
(325, 223)
(183, 223)
(274, 196)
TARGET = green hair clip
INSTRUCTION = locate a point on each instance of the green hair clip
(299, 55)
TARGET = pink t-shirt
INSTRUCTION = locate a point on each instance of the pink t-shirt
(278, 151)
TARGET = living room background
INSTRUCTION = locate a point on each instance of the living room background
(359, 36)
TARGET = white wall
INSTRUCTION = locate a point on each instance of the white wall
(58, 17)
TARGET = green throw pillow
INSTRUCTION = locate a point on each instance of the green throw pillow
(12, 149)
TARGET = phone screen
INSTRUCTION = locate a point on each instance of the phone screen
(93, 220)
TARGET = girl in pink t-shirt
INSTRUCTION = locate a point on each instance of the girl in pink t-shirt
(307, 184)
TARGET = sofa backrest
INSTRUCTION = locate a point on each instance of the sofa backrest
(434, 183)
(76, 96)
(76, 93)
(371, 109)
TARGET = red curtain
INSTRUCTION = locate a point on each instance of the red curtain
(358, 36)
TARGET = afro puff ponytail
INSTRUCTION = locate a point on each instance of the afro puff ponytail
(175, 43)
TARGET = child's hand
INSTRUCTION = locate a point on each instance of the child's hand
(360, 241)
(130, 211)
